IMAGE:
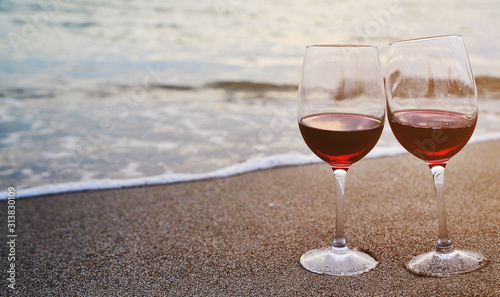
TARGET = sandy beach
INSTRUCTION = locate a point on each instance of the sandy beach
(243, 235)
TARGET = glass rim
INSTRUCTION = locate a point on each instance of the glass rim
(339, 45)
(425, 38)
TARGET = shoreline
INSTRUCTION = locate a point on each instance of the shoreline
(255, 164)
(245, 233)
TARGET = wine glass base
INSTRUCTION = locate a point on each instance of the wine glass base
(344, 262)
(445, 264)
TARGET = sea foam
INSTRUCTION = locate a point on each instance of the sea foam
(254, 164)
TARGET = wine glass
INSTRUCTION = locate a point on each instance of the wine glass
(341, 111)
(432, 110)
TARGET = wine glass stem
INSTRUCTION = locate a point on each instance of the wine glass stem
(444, 243)
(339, 242)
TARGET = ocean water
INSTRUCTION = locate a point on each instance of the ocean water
(103, 94)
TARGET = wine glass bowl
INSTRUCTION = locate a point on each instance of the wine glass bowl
(430, 84)
(341, 111)
(432, 108)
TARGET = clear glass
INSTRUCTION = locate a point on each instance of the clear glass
(341, 111)
(432, 109)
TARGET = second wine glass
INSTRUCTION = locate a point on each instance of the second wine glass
(341, 110)
(432, 109)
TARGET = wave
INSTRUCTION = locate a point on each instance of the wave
(487, 87)
(105, 90)
(27, 93)
(233, 86)
(254, 164)
(250, 86)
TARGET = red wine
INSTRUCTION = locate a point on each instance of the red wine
(432, 135)
(340, 139)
